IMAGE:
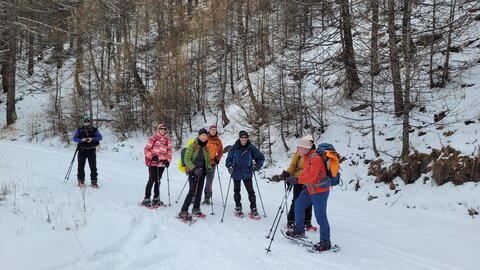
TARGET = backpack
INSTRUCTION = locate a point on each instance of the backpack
(332, 164)
(181, 162)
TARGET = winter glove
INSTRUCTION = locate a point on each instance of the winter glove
(187, 170)
(84, 139)
(166, 163)
(216, 160)
(209, 171)
(154, 157)
(285, 175)
(254, 167)
(292, 180)
(230, 170)
(198, 171)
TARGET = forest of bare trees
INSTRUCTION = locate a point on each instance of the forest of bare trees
(135, 63)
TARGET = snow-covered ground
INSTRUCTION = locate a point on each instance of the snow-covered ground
(45, 224)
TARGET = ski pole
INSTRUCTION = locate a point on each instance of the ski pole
(226, 198)
(280, 208)
(220, 184)
(67, 176)
(278, 221)
(211, 197)
(181, 191)
(260, 195)
(168, 188)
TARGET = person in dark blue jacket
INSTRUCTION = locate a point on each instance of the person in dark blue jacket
(242, 161)
(88, 139)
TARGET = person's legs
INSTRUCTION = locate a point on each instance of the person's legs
(192, 180)
(236, 193)
(82, 158)
(251, 193)
(319, 201)
(209, 182)
(92, 163)
(302, 202)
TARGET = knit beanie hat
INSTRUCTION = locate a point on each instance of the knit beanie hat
(161, 125)
(202, 131)
(213, 126)
(305, 143)
(308, 137)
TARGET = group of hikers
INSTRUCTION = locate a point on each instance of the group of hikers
(201, 158)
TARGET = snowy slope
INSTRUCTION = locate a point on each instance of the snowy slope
(47, 222)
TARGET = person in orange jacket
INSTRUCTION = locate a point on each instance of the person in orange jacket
(313, 172)
(215, 147)
(295, 169)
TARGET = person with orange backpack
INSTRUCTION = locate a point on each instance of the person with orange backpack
(215, 147)
(317, 188)
(158, 155)
(295, 169)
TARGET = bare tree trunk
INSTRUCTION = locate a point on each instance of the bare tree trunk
(11, 59)
(434, 25)
(351, 72)
(30, 54)
(394, 60)
(408, 67)
(446, 64)
(374, 65)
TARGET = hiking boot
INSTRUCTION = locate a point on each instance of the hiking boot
(206, 201)
(322, 246)
(184, 215)
(254, 212)
(290, 224)
(94, 185)
(156, 202)
(238, 211)
(295, 234)
(197, 212)
(147, 203)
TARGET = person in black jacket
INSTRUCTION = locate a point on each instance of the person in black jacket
(87, 138)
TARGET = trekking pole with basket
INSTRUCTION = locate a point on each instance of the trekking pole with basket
(182, 191)
(168, 187)
(259, 194)
(226, 198)
(67, 176)
(277, 220)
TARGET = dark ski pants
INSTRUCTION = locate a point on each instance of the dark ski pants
(319, 201)
(209, 182)
(83, 155)
(297, 189)
(154, 175)
(195, 189)
(251, 193)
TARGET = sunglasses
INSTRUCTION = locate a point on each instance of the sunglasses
(243, 137)
(86, 121)
(162, 129)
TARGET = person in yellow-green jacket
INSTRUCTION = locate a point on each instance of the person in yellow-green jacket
(295, 169)
(197, 166)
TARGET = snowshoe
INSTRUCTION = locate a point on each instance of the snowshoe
(185, 217)
(238, 212)
(156, 203)
(310, 228)
(323, 247)
(95, 186)
(198, 213)
(254, 214)
(146, 203)
(81, 184)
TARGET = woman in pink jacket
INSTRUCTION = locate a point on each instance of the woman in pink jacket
(158, 155)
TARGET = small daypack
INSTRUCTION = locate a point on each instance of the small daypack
(332, 164)
(181, 162)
